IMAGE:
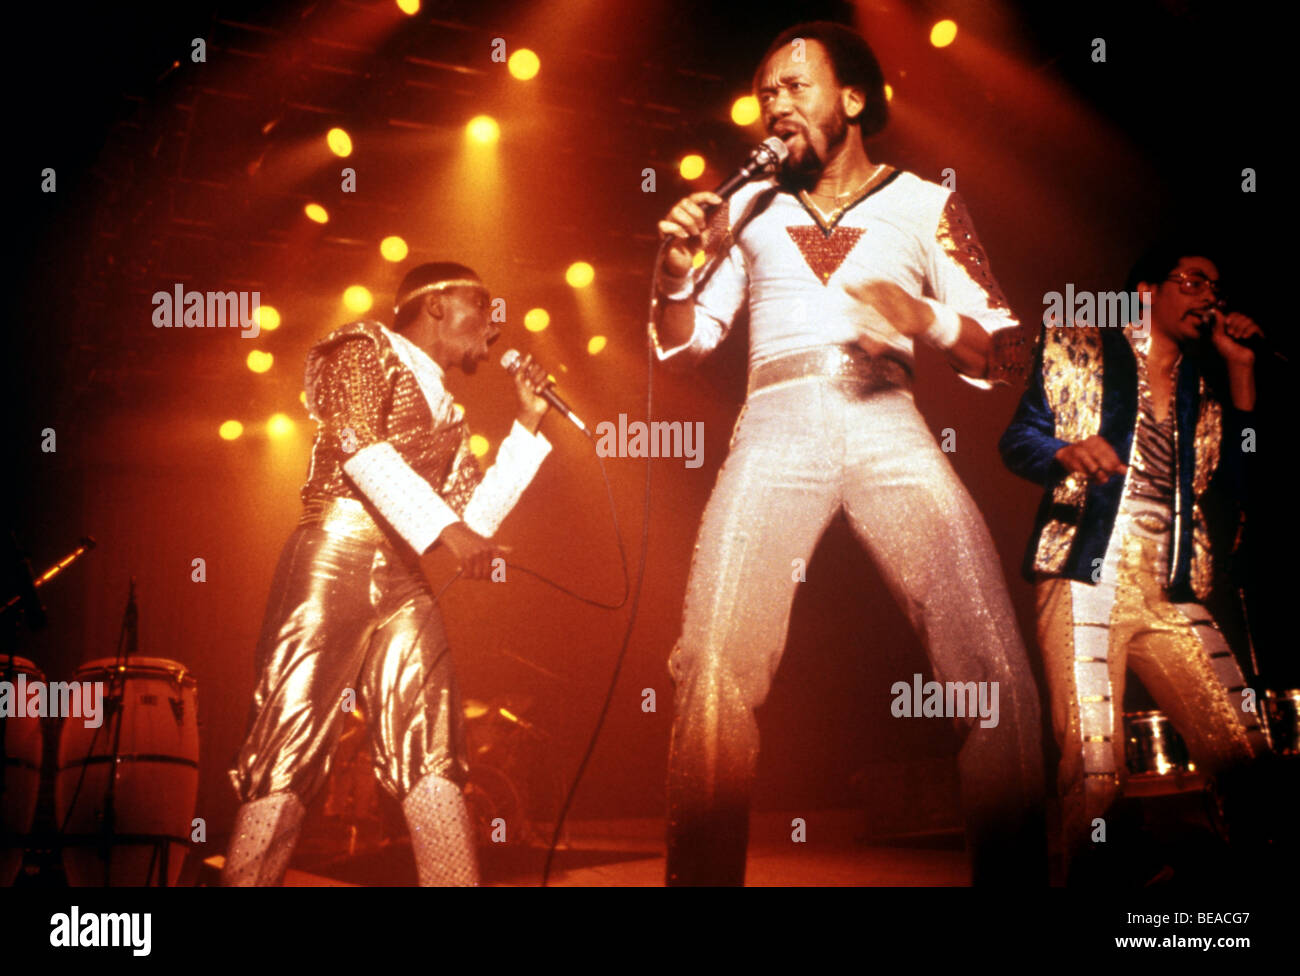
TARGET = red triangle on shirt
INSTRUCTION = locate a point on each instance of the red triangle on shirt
(824, 254)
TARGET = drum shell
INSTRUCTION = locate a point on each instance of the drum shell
(1282, 712)
(156, 782)
(1152, 746)
(24, 750)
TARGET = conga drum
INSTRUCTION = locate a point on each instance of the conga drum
(1282, 711)
(143, 760)
(1152, 745)
(21, 749)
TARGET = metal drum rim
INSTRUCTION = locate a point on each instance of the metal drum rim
(23, 665)
(134, 667)
(1153, 713)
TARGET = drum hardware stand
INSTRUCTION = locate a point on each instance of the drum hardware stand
(114, 703)
(28, 583)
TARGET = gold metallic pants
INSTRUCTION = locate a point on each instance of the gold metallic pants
(348, 618)
(1090, 634)
(803, 451)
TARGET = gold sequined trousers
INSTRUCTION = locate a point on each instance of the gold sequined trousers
(1090, 633)
(348, 615)
(801, 452)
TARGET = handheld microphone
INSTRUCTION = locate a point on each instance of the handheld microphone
(510, 363)
(763, 159)
(1258, 344)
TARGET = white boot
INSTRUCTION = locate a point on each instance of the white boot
(442, 836)
(265, 833)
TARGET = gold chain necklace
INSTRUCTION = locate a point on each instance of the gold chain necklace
(855, 190)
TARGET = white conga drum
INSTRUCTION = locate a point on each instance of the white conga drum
(21, 751)
(147, 751)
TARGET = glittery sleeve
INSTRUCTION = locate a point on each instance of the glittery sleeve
(517, 461)
(960, 277)
(720, 288)
(1029, 444)
(406, 501)
(347, 395)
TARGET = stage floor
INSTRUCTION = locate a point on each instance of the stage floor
(630, 853)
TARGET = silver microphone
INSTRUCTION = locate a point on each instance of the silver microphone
(510, 363)
(763, 159)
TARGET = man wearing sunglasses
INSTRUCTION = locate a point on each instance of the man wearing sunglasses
(1126, 428)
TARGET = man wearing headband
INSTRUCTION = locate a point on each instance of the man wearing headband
(351, 620)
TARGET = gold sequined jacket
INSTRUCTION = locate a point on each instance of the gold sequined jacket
(1085, 381)
(361, 392)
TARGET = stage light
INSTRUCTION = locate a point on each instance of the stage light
(259, 361)
(483, 129)
(889, 93)
(691, 167)
(316, 212)
(393, 248)
(580, 274)
(231, 430)
(357, 298)
(409, 7)
(524, 64)
(266, 318)
(595, 344)
(478, 445)
(744, 110)
(340, 142)
(536, 319)
(943, 33)
(302, 397)
(279, 425)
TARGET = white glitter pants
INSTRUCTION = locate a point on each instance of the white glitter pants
(1092, 634)
(802, 451)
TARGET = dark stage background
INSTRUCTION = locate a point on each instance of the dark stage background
(198, 174)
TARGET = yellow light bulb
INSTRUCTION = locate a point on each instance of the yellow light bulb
(580, 274)
(524, 64)
(744, 110)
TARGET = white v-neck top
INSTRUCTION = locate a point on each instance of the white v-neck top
(791, 269)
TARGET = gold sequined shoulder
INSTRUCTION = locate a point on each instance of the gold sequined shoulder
(319, 353)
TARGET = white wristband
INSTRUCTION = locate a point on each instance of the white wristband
(946, 329)
(676, 289)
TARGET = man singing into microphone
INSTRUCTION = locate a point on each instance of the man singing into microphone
(843, 263)
(1125, 428)
(351, 617)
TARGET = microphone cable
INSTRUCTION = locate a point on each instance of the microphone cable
(640, 576)
(634, 588)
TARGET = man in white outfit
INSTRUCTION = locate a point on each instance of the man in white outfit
(842, 263)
